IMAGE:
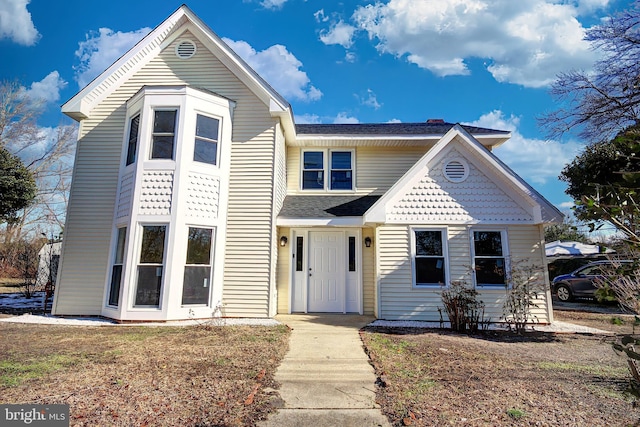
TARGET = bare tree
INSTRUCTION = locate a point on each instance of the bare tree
(47, 152)
(599, 103)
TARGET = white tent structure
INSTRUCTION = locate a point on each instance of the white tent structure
(573, 249)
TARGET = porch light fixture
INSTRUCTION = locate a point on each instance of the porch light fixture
(283, 241)
(367, 241)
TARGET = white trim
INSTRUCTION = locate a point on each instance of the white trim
(344, 221)
(504, 240)
(445, 255)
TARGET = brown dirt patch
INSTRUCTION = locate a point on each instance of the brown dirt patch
(155, 376)
(438, 378)
(615, 322)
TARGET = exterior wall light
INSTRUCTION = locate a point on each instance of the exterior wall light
(283, 241)
(367, 241)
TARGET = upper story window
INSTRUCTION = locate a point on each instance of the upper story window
(134, 126)
(164, 134)
(429, 257)
(489, 257)
(206, 143)
(339, 169)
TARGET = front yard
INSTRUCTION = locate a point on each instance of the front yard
(155, 376)
(438, 378)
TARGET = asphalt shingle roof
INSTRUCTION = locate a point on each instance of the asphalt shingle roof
(326, 206)
(423, 128)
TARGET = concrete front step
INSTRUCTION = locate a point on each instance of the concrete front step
(327, 418)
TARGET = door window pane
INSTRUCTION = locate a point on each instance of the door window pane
(352, 253)
(197, 272)
(150, 267)
(299, 253)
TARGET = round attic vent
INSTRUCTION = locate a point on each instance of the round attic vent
(456, 170)
(185, 49)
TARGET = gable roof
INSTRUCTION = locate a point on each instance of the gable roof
(541, 210)
(81, 104)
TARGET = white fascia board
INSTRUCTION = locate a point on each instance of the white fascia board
(347, 137)
(347, 221)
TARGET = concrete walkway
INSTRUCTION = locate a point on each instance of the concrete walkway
(325, 378)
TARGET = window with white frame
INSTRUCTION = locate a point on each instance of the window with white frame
(164, 134)
(151, 266)
(197, 271)
(132, 146)
(489, 257)
(429, 257)
(206, 143)
(117, 267)
(336, 164)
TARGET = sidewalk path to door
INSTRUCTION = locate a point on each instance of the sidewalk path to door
(325, 378)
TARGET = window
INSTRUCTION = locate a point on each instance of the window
(352, 253)
(197, 271)
(164, 132)
(206, 144)
(313, 170)
(132, 147)
(429, 257)
(489, 258)
(340, 170)
(150, 268)
(116, 270)
(299, 252)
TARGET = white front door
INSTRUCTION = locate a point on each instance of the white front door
(326, 272)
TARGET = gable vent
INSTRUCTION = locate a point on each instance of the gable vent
(185, 49)
(456, 170)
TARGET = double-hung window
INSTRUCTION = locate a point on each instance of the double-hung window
(197, 271)
(164, 134)
(429, 257)
(489, 252)
(132, 146)
(336, 164)
(151, 266)
(206, 144)
(116, 270)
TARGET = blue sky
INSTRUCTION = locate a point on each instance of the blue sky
(481, 62)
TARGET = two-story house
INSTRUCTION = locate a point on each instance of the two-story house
(195, 192)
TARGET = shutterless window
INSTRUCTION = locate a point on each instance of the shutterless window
(116, 269)
(164, 134)
(132, 146)
(313, 170)
(206, 144)
(150, 267)
(352, 253)
(341, 170)
(489, 258)
(299, 252)
(429, 257)
(197, 271)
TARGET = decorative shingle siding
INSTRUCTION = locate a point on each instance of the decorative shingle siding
(156, 193)
(203, 196)
(435, 199)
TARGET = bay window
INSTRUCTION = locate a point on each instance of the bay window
(197, 271)
(164, 134)
(151, 266)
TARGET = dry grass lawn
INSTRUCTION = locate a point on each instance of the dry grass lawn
(439, 378)
(144, 376)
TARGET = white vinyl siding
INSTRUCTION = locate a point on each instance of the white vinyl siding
(400, 301)
(248, 265)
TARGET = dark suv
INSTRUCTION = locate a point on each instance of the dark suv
(582, 282)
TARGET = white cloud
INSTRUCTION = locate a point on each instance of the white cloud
(273, 4)
(320, 16)
(280, 68)
(308, 119)
(566, 205)
(525, 43)
(394, 120)
(16, 23)
(350, 57)
(535, 160)
(101, 49)
(344, 118)
(370, 100)
(47, 89)
(339, 33)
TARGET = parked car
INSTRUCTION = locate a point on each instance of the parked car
(582, 281)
